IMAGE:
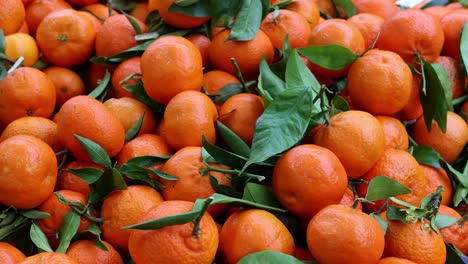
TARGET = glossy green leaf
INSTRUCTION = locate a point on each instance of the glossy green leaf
(270, 257)
(431, 202)
(223, 156)
(427, 155)
(383, 224)
(339, 104)
(285, 120)
(223, 12)
(224, 189)
(134, 24)
(433, 99)
(237, 145)
(141, 177)
(248, 21)
(259, 193)
(153, 171)
(382, 187)
(139, 92)
(145, 161)
(332, 57)
(34, 214)
(135, 129)
(68, 230)
(395, 213)
(298, 75)
(39, 238)
(101, 90)
(159, 223)
(347, 6)
(118, 180)
(191, 8)
(223, 199)
(269, 84)
(124, 55)
(455, 175)
(461, 195)
(95, 152)
(464, 48)
(443, 220)
(95, 230)
(107, 183)
(2, 41)
(226, 92)
(453, 255)
(89, 175)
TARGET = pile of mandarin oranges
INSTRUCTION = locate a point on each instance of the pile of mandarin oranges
(243, 131)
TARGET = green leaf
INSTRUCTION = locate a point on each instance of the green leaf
(223, 12)
(260, 194)
(453, 255)
(443, 220)
(124, 55)
(134, 24)
(460, 195)
(191, 8)
(2, 41)
(178, 219)
(339, 104)
(427, 155)
(395, 213)
(332, 57)
(118, 180)
(237, 145)
(139, 92)
(101, 90)
(95, 230)
(39, 238)
(145, 161)
(454, 174)
(223, 156)
(95, 152)
(248, 21)
(109, 182)
(89, 175)
(464, 48)
(34, 214)
(382, 223)
(68, 230)
(269, 84)
(224, 189)
(382, 187)
(435, 3)
(298, 75)
(152, 171)
(226, 92)
(135, 129)
(433, 99)
(285, 121)
(143, 177)
(223, 199)
(347, 6)
(268, 256)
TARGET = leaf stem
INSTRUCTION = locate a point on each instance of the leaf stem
(239, 75)
(196, 222)
(460, 100)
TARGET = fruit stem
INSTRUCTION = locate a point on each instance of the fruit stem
(239, 75)
(196, 222)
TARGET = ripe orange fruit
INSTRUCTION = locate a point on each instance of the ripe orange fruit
(121, 72)
(455, 74)
(247, 54)
(423, 33)
(452, 24)
(369, 25)
(10, 254)
(49, 258)
(202, 43)
(398, 165)
(129, 111)
(394, 260)
(69, 181)
(411, 241)
(66, 38)
(336, 32)
(379, 82)
(25, 91)
(26, 178)
(449, 144)
(189, 116)
(12, 15)
(215, 80)
(412, 109)
(89, 118)
(116, 35)
(169, 66)
(21, 44)
(67, 83)
(144, 145)
(176, 242)
(436, 177)
(187, 164)
(286, 23)
(140, 11)
(95, 74)
(308, 9)
(348, 199)
(261, 230)
(395, 133)
(302, 191)
(340, 234)
(240, 113)
(175, 19)
(97, 13)
(126, 207)
(86, 251)
(40, 127)
(437, 11)
(456, 233)
(385, 9)
(57, 210)
(82, 2)
(37, 10)
(368, 142)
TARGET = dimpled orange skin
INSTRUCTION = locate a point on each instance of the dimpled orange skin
(452, 24)
(175, 19)
(169, 66)
(341, 234)
(12, 15)
(382, 8)
(360, 154)
(10, 254)
(369, 25)
(398, 165)
(395, 133)
(395, 260)
(49, 258)
(176, 242)
(423, 33)
(86, 252)
(89, 118)
(189, 116)
(253, 230)
(379, 82)
(305, 191)
(28, 171)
